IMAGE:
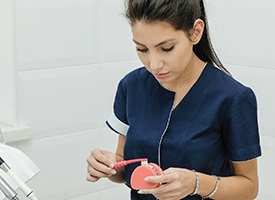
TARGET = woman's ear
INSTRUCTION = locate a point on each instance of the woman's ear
(197, 31)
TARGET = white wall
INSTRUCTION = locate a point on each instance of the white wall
(61, 61)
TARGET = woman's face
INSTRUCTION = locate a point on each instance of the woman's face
(165, 52)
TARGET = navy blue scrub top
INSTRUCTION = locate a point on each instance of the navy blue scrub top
(214, 124)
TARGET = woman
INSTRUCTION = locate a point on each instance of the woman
(182, 112)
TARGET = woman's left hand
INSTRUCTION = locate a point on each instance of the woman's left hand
(175, 184)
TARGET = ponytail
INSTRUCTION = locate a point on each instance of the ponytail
(204, 49)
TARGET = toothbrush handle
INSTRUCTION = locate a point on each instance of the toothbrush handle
(127, 162)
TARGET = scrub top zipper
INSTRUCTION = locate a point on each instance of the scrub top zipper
(162, 136)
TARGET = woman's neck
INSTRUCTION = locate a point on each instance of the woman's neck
(182, 88)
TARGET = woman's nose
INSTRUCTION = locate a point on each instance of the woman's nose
(156, 63)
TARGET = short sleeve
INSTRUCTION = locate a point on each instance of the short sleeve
(241, 127)
(118, 119)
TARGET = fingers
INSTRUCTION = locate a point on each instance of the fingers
(94, 175)
(160, 192)
(91, 178)
(161, 179)
(169, 175)
(164, 191)
(100, 164)
(174, 184)
(101, 156)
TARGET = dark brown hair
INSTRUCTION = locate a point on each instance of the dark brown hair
(181, 14)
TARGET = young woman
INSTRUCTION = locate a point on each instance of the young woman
(182, 110)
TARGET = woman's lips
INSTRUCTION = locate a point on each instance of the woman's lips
(161, 75)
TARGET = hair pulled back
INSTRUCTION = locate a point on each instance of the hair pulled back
(181, 14)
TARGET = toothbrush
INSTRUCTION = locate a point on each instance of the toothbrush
(127, 162)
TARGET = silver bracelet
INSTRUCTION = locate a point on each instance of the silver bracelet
(215, 189)
(197, 183)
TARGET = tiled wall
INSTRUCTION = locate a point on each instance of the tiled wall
(62, 61)
(7, 95)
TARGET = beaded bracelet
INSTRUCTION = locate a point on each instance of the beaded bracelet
(197, 183)
(215, 189)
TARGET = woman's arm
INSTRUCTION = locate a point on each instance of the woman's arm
(244, 185)
(119, 176)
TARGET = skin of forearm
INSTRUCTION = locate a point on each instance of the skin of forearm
(230, 188)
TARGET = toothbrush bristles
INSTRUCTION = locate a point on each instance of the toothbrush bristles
(145, 162)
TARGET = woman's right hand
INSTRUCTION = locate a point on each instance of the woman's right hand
(100, 164)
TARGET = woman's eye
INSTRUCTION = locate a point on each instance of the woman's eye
(142, 50)
(168, 49)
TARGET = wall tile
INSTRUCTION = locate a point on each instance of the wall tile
(89, 196)
(266, 169)
(56, 33)
(7, 89)
(117, 193)
(58, 101)
(115, 33)
(237, 30)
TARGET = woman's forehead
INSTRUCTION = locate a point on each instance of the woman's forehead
(154, 33)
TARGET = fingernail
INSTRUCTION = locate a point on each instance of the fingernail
(113, 172)
(140, 192)
(112, 165)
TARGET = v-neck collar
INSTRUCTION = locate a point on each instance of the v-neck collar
(196, 89)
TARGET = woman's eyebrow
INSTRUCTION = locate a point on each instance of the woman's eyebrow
(164, 42)
(161, 43)
(138, 43)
